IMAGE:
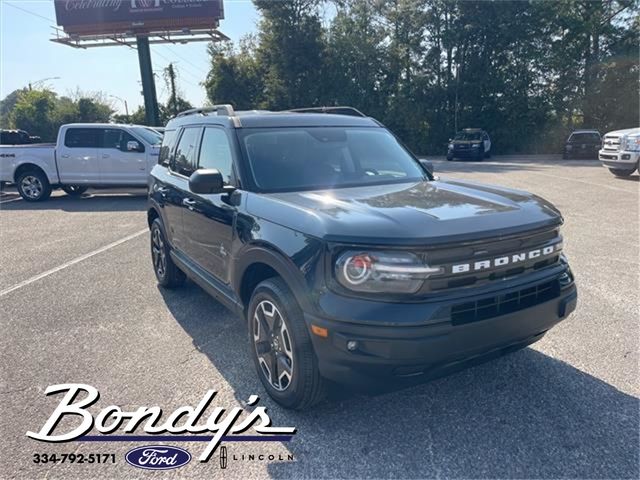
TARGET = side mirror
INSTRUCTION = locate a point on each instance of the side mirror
(133, 146)
(207, 180)
(428, 166)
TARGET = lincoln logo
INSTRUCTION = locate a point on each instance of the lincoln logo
(506, 260)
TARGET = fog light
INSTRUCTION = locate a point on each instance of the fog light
(626, 156)
(352, 345)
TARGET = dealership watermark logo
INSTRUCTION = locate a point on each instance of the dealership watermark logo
(186, 423)
(158, 457)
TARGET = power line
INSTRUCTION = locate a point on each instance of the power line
(30, 12)
(185, 59)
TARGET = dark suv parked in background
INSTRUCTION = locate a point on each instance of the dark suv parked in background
(582, 144)
(346, 257)
(472, 143)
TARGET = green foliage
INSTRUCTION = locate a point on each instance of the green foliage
(41, 112)
(526, 71)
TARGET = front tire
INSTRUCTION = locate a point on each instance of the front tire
(33, 186)
(167, 273)
(621, 173)
(74, 190)
(281, 347)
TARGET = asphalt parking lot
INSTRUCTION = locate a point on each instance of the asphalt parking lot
(79, 303)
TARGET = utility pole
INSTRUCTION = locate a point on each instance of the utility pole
(126, 107)
(170, 77)
(152, 115)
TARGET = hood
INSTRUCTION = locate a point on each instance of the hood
(628, 131)
(408, 213)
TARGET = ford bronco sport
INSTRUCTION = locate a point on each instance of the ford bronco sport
(348, 259)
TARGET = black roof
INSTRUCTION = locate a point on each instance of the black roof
(227, 117)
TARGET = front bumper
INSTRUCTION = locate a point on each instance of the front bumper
(409, 342)
(622, 159)
(465, 153)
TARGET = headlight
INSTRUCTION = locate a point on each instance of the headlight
(378, 272)
(633, 144)
(451, 146)
(476, 145)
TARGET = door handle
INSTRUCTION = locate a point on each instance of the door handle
(65, 156)
(189, 202)
(105, 155)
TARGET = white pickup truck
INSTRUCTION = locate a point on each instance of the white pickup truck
(621, 151)
(85, 155)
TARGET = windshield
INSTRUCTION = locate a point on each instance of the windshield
(588, 137)
(290, 159)
(150, 136)
(468, 136)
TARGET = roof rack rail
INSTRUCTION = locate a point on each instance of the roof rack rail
(224, 109)
(339, 110)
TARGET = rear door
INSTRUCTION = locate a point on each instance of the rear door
(182, 165)
(77, 156)
(118, 165)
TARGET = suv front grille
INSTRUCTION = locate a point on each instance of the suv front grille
(611, 143)
(469, 254)
(504, 304)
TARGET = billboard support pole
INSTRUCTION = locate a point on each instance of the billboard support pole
(152, 116)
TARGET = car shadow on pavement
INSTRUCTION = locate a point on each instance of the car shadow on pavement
(88, 202)
(524, 415)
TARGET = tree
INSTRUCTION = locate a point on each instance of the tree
(35, 112)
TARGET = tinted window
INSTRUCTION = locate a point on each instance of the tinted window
(320, 158)
(167, 145)
(83, 137)
(216, 153)
(468, 136)
(185, 157)
(118, 139)
(111, 138)
(587, 137)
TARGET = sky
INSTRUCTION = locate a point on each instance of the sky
(27, 55)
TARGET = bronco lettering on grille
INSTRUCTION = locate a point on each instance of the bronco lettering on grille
(506, 259)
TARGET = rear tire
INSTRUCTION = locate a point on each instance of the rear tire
(33, 186)
(74, 190)
(281, 347)
(167, 273)
(621, 173)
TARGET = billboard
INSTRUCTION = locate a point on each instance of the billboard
(100, 17)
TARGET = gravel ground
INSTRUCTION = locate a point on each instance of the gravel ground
(79, 303)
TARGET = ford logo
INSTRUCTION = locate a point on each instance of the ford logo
(157, 457)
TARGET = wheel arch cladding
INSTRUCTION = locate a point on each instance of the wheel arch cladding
(152, 214)
(257, 264)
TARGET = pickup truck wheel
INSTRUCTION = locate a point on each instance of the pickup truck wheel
(167, 273)
(33, 186)
(621, 173)
(281, 347)
(74, 190)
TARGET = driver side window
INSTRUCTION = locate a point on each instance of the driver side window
(215, 152)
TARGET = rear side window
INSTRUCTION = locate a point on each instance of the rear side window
(168, 143)
(83, 137)
(185, 159)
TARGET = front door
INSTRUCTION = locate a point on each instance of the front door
(208, 219)
(77, 157)
(118, 164)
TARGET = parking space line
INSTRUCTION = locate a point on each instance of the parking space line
(71, 262)
(9, 201)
